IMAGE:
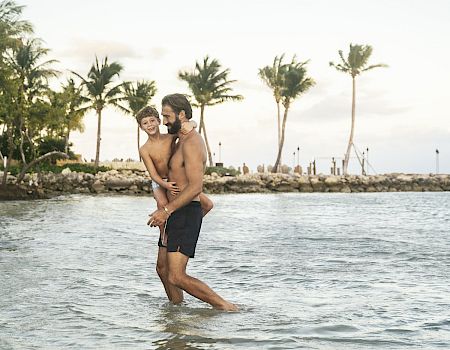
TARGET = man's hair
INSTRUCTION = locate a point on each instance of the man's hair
(179, 103)
(147, 111)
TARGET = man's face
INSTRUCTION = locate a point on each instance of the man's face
(171, 120)
(150, 125)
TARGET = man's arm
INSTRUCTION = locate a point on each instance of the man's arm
(170, 186)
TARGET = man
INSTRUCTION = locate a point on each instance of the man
(183, 213)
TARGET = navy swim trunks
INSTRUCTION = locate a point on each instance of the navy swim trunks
(183, 228)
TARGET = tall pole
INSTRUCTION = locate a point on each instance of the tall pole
(367, 157)
(362, 164)
(437, 161)
(293, 164)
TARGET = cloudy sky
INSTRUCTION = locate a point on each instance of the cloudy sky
(402, 111)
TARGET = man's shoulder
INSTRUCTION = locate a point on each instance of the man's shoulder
(194, 137)
(194, 141)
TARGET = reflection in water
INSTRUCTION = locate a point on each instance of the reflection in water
(182, 326)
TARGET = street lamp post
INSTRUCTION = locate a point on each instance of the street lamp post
(293, 163)
(367, 158)
(362, 164)
(437, 161)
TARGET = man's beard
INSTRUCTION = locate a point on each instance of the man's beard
(173, 128)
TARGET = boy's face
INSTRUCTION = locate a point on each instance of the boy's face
(150, 125)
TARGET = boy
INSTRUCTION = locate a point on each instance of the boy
(156, 153)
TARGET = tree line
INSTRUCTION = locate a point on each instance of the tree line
(36, 121)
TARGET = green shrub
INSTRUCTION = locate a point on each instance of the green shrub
(221, 171)
(13, 169)
(46, 167)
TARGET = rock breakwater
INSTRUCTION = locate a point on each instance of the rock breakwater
(134, 182)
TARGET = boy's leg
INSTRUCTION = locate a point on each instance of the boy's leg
(206, 203)
(160, 196)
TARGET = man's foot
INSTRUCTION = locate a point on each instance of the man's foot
(228, 307)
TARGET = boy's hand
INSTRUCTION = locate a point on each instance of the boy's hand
(172, 187)
(187, 127)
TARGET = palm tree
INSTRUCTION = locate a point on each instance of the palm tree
(11, 29)
(209, 86)
(74, 110)
(273, 77)
(137, 97)
(11, 26)
(32, 76)
(355, 64)
(102, 92)
(295, 83)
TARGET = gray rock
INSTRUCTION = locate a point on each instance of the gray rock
(98, 186)
(118, 184)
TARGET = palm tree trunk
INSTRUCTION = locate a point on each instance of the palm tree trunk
(202, 122)
(202, 110)
(138, 143)
(279, 126)
(5, 171)
(22, 153)
(99, 125)
(37, 160)
(350, 140)
(66, 143)
(279, 122)
(280, 147)
(9, 134)
(32, 148)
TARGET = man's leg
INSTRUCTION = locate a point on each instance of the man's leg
(174, 293)
(177, 276)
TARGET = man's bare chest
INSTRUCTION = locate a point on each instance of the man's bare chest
(177, 159)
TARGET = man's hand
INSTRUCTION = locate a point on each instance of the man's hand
(157, 218)
(172, 188)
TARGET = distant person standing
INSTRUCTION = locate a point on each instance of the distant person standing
(183, 212)
(245, 169)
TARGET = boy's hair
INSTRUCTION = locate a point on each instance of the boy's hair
(147, 111)
(179, 103)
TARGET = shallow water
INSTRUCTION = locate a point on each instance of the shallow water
(309, 271)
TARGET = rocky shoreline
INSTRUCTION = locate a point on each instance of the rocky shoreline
(134, 182)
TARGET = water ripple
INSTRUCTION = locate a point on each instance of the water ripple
(313, 271)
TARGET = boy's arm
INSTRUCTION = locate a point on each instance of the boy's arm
(188, 126)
